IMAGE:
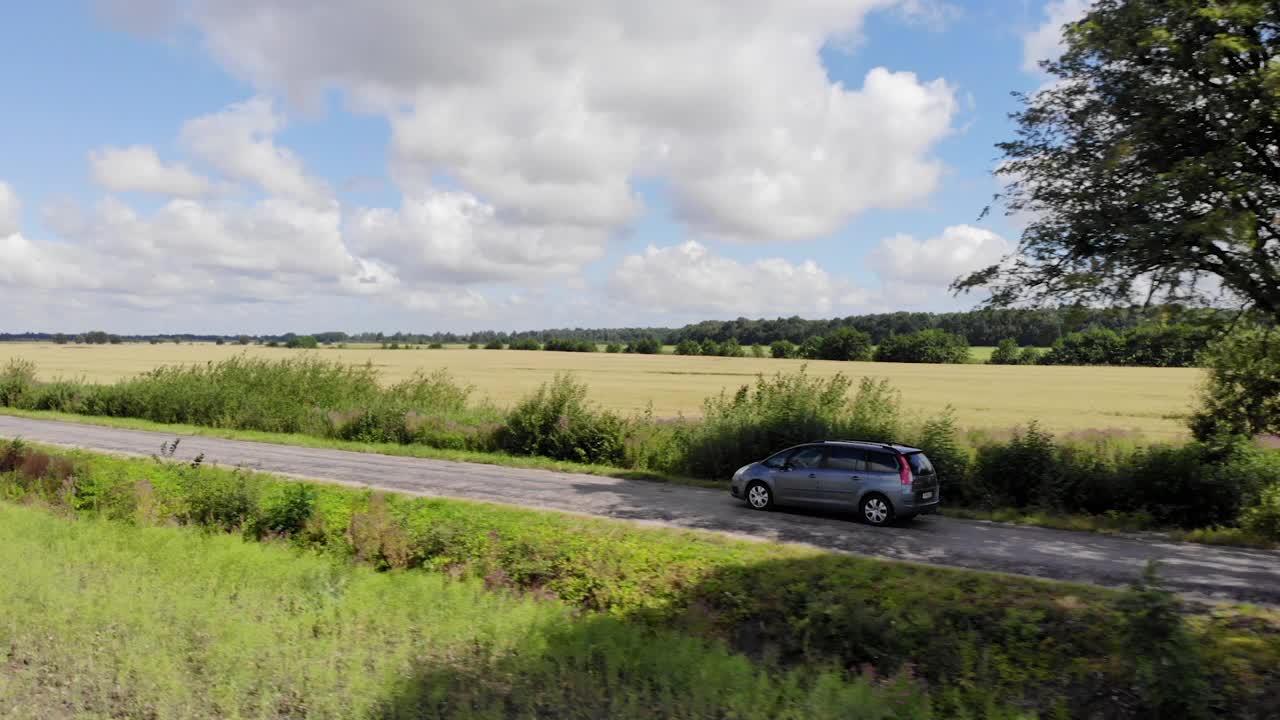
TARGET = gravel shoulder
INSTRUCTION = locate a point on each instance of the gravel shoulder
(1198, 571)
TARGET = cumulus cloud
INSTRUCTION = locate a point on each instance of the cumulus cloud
(138, 168)
(238, 142)
(453, 236)
(1045, 42)
(912, 269)
(10, 210)
(549, 111)
(691, 278)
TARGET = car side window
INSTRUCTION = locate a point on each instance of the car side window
(881, 462)
(846, 458)
(777, 460)
(809, 457)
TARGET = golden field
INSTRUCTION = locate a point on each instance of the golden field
(1148, 400)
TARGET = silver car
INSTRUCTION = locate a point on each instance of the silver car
(881, 482)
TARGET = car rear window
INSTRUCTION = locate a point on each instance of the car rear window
(920, 464)
(881, 462)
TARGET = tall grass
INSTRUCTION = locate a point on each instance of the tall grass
(119, 621)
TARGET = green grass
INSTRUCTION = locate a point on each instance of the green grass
(979, 641)
(107, 620)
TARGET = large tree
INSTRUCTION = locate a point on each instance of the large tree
(1150, 165)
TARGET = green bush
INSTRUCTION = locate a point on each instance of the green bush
(558, 422)
(613, 348)
(1006, 353)
(528, 344)
(494, 345)
(436, 346)
(783, 349)
(1242, 394)
(304, 342)
(1169, 673)
(645, 346)
(1263, 518)
(845, 344)
(16, 381)
(1097, 346)
(779, 411)
(688, 347)
(560, 345)
(473, 346)
(926, 346)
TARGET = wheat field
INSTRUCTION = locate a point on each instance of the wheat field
(1149, 401)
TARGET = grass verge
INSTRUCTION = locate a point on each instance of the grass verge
(979, 643)
(106, 620)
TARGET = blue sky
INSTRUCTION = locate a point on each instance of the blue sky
(251, 166)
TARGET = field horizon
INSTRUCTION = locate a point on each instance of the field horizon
(1150, 402)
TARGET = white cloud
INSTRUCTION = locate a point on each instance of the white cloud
(691, 278)
(10, 210)
(138, 168)
(443, 235)
(1045, 42)
(549, 111)
(238, 141)
(913, 269)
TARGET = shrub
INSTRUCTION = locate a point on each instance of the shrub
(1006, 353)
(688, 347)
(757, 351)
(305, 342)
(528, 344)
(940, 440)
(1264, 518)
(285, 510)
(811, 349)
(1021, 472)
(1097, 346)
(472, 346)
(559, 345)
(1170, 678)
(558, 422)
(493, 345)
(731, 348)
(778, 411)
(1030, 356)
(436, 346)
(1242, 393)
(226, 502)
(926, 346)
(845, 344)
(783, 349)
(16, 381)
(645, 346)
(613, 348)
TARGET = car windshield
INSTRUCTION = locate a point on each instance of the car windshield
(920, 464)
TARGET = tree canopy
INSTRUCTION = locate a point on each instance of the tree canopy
(1150, 165)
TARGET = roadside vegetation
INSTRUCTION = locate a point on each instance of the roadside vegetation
(1217, 484)
(576, 615)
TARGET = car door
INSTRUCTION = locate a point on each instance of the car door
(842, 475)
(796, 482)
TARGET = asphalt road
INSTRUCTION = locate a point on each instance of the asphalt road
(1198, 571)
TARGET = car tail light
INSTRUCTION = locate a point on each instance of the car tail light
(904, 470)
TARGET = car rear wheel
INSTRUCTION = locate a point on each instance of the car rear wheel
(876, 510)
(759, 496)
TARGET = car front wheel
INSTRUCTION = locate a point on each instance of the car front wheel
(759, 496)
(876, 510)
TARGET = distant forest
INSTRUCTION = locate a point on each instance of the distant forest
(1036, 327)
